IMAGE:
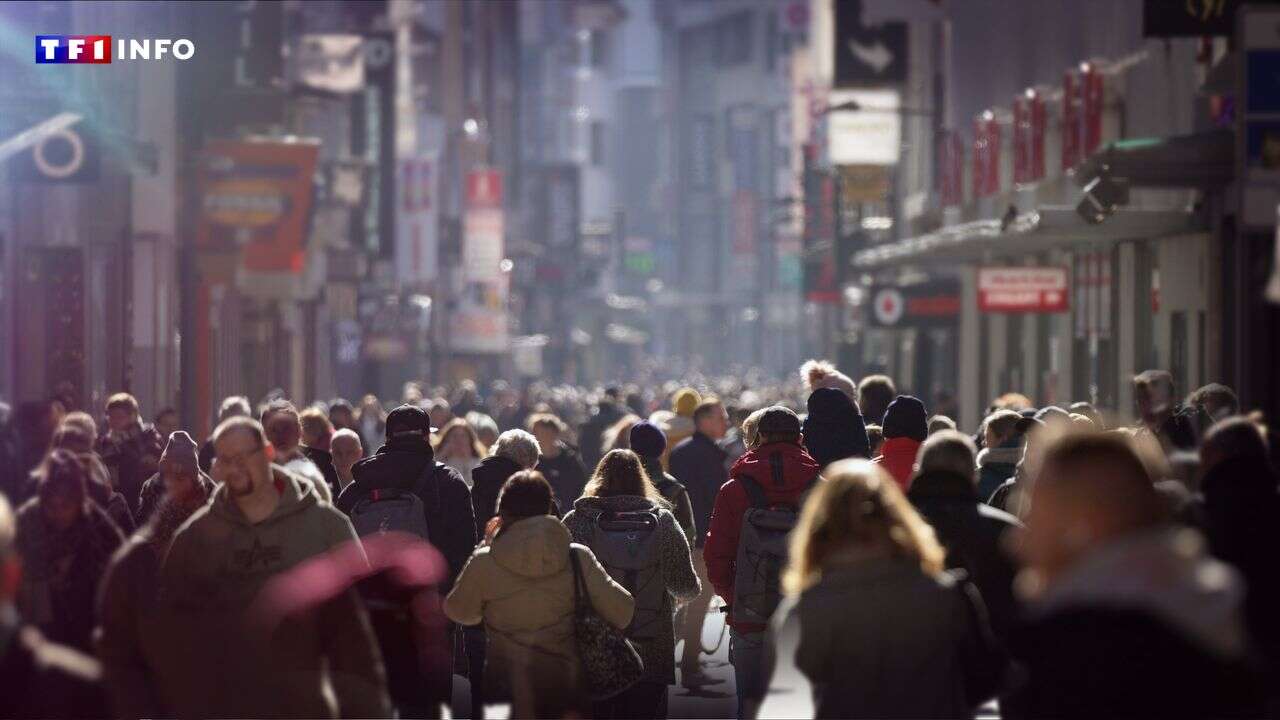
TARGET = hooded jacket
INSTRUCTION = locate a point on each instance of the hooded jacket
(486, 481)
(997, 465)
(323, 460)
(833, 429)
(216, 567)
(400, 464)
(678, 576)
(905, 428)
(972, 532)
(1146, 626)
(153, 493)
(522, 588)
(132, 457)
(799, 472)
(898, 457)
(673, 490)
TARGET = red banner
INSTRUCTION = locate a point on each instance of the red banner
(1070, 121)
(951, 169)
(484, 189)
(986, 155)
(1023, 289)
(1028, 137)
(1091, 87)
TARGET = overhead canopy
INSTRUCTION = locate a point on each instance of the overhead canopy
(1033, 232)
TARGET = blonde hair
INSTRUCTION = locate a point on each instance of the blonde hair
(620, 472)
(751, 429)
(858, 504)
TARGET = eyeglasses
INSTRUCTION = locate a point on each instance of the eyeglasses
(241, 461)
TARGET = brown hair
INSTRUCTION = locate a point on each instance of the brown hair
(477, 447)
(858, 504)
(525, 494)
(1002, 423)
(122, 401)
(618, 436)
(315, 422)
(706, 407)
(620, 472)
(547, 420)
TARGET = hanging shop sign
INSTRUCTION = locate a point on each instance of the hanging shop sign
(1023, 289)
(868, 131)
(930, 304)
(256, 198)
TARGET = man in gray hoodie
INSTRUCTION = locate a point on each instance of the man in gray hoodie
(261, 522)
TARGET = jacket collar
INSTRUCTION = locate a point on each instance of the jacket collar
(407, 443)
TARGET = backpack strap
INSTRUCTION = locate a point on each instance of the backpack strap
(755, 493)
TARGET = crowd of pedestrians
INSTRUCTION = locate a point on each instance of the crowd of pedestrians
(562, 550)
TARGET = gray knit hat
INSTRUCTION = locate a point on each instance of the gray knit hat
(180, 452)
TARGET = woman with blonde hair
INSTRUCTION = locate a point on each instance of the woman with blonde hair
(459, 447)
(872, 625)
(629, 525)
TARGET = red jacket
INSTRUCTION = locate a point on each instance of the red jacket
(721, 550)
(898, 456)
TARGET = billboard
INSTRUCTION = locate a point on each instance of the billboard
(417, 220)
(478, 324)
(255, 200)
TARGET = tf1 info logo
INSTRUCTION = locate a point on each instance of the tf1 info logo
(96, 49)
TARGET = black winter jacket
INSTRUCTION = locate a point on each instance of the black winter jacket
(400, 464)
(486, 480)
(698, 463)
(566, 474)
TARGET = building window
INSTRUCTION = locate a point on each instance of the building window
(734, 40)
(597, 143)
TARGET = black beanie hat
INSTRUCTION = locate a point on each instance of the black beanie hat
(647, 439)
(906, 417)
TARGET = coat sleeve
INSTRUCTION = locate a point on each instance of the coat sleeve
(982, 658)
(465, 603)
(721, 549)
(610, 600)
(678, 574)
(684, 515)
(459, 537)
(356, 672)
(124, 668)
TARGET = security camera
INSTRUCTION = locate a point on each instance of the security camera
(1102, 196)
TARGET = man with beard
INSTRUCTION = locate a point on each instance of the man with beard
(65, 542)
(262, 522)
(133, 638)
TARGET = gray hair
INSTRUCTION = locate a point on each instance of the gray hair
(346, 433)
(480, 421)
(234, 406)
(948, 451)
(518, 445)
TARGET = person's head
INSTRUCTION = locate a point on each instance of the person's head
(875, 392)
(947, 451)
(408, 422)
(525, 494)
(1153, 394)
(818, 374)
(282, 425)
(751, 429)
(370, 406)
(620, 472)
(711, 419)
(1091, 489)
(10, 563)
(1016, 402)
(875, 438)
(547, 428)
(905, 418)
(341, 414)
(1088, 410)
(485, 427)
(458, 440)
(685, 402)
(242, 456)
(857, 512)
(1000, 427)
(938, 423)
(74, 437)
(647, 440)
(122, 412)
(1215, 400)
(1235, 438)
(166, 421)
(518, 446)
(179, 468)
(82, 420)
(346, 449)
(778, 424)
(234, 406)
(62, 488)
(317, 431)
(411, 394)
(618, 435)
(441, 412)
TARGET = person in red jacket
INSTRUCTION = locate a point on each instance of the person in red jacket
(779, 464)
(905, 427)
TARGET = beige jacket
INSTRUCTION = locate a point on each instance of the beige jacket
(521, 588)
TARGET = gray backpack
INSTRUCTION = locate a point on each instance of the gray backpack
(627, 544)
(762, 550)
(394, 510)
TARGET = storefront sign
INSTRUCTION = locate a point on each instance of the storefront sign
(256, 198)
(864, 183)
(929, 304)
(483, 227)
(1022, 289)
(871, 134)
(867, 55)
(417, 220)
